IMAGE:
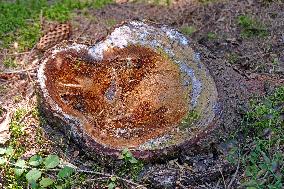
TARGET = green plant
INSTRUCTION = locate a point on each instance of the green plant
(188, 30)
(20, 20)
(263, 128)
(3, 89)
(35, 171)
(48, 172)
(19, 113)
(10, 63)
(233, 58)
(45, 171)
(189, 119)
(18, 133)
(112, 183)
(212, 35)
(111, 22)
(127, 156)
(251, 27)
(131, 165)
(13, 18)
(207, 1)
(156, 2)
(28, 36)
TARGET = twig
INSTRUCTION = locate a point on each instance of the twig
(85, 29)
(111, 175)
(24, 117)
(181, 185)
(254, 55)
(92, 172)
(236, 172)
(96, 179)
(15, 53)
(217, 185)
(28, 56)
(20, 71)
(223, 178)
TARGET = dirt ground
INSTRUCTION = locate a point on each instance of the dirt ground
(240, 66)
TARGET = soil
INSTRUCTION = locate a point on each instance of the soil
(252, 72)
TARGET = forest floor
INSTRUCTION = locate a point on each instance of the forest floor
(245, 35)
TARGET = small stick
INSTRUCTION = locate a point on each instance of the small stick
(110, 175)
(95, 173)
(26, 115)
(235, 174)
(224, 182)
(20, 71)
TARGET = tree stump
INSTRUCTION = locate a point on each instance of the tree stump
(142, 87)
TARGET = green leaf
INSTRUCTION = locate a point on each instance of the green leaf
(111, 185)
(20, 166)
(33, 184)
(113, 179)
(51, 161)
(128, 154)
(35, 160)
(45, 182)
(2, 151)
(133, 160)
(18, 172)
(33, 175)
(58, 187)
(65, 172)
(9, 151)
(2, 160)
(124, 151)
(20, 163)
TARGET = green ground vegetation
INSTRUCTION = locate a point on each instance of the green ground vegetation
(20, 19)
(46, 170)
(262, 151)
(188, 30)
(251, 27)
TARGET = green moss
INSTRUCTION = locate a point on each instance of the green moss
(189, 119)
